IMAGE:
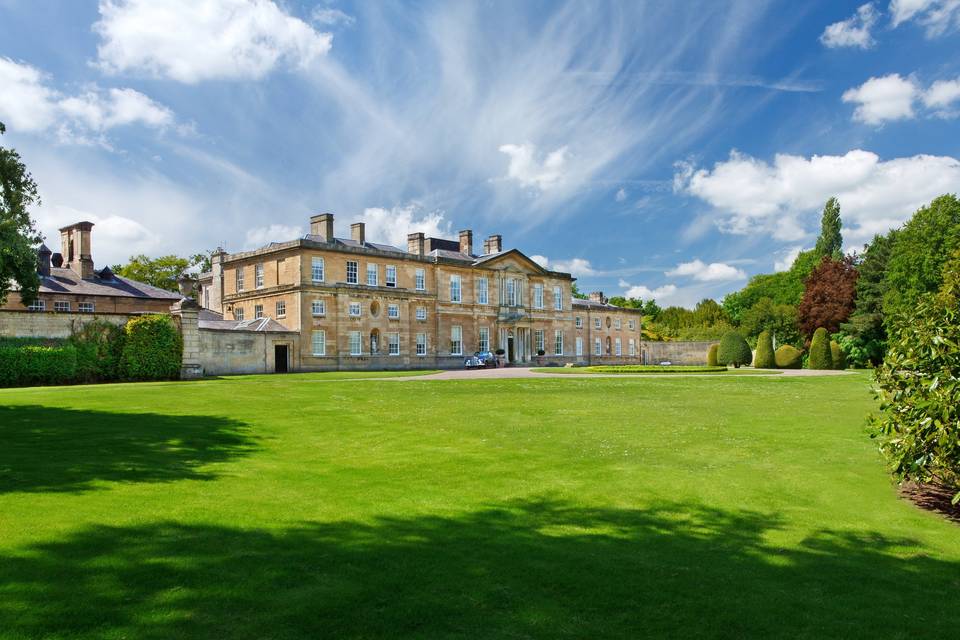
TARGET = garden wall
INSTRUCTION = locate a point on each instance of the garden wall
(29, 324)
(685, 353)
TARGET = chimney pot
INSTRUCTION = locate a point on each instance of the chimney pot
(466, 242)
(322, 225)
(415, 243)
(43, 260)
(357, 232)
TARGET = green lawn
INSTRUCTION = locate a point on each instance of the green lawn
(654, 368)
(281, 507)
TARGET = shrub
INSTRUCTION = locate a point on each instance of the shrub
(788, 357)
(836, 356)
(764, 358)
(152, 350)
(33, 364)
(733, 350)
(712, 355)
(919, 390)
(820, 357)
(99, 347)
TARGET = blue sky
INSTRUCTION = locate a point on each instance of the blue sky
(652, 149)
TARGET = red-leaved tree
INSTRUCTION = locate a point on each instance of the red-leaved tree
(829, 293)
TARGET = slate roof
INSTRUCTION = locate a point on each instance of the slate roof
(261, 325)
(66, 281)
(353, 243)
(593, 304)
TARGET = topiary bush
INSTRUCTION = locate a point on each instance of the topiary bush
(152, 350)
(820, 357)
(99, 346)
(733, 350)
(31, 364)
(764, 357)
(919, 390)
(788, 357)
(712, 355)
(837, 358)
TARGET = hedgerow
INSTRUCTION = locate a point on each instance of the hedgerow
(152, 350)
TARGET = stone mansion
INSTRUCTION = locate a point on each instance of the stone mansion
(355, 304)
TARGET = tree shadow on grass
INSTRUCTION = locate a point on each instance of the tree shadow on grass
(528, 569)
(47, 449)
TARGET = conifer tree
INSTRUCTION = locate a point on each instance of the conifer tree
(830, 242)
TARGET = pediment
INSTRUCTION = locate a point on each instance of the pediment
(515, 261)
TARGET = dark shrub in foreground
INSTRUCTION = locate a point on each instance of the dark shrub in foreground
(820, 357)
(734, 350)
(788, 357)
(764, 357)
(152, 350)
(712, 355)
(919, 390)
(99, 347)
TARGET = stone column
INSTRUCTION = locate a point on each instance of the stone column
(187, 312)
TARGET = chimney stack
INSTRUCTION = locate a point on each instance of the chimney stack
(322, 225)
(357, 232)
(466, 242)
(415, 243)
(493, 244)
(43, 261)
(597, 296)
(75, 241)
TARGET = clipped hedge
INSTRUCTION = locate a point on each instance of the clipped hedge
(152, 349)
(24, 365)
(733, 350)
(820, 357)
(788, 357)
(764, 358)
(712, 355)
(837, 359)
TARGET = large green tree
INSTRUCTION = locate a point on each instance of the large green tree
(863, 337)
(830, 242)
(161, 272)
(18, 234)
(779, 319)
(919, 252)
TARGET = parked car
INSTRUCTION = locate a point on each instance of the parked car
(481, 360)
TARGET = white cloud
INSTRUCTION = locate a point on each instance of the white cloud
(331, 16)
(663, 294)
(703, 272)
(621, 195)
(937, 16)
(785, 261)
(942, 97)
(883, 99)
(391, 226)
(262, 236)
(115, 238)
(530, 170)
(854, 31)
(577, 267)
(753, 196)
(191, 41)
(28, 103)
(543, 261)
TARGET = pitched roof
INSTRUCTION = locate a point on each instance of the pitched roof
(66, 281)
(261, 325)
(593, 304)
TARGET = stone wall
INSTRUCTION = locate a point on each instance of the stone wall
(224, 352)
(683, 353)
(29, 324)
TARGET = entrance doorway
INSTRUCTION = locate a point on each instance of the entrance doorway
(510, 354)
(279, 358)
